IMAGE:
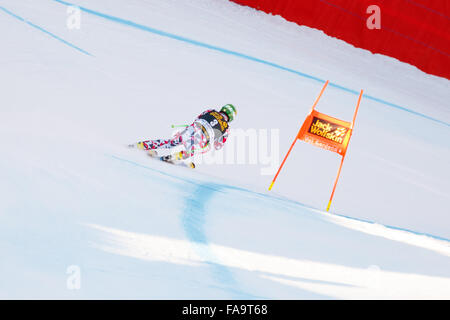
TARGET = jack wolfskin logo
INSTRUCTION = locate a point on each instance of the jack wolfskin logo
(327, 130)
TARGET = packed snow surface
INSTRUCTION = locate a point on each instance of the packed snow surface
(82, 216)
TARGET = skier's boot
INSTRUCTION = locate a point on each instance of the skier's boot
(166, 158)
(173, 157)
(138, 145)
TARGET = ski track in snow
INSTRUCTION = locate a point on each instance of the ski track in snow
(194, 220)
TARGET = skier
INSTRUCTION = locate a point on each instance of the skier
(210, 127)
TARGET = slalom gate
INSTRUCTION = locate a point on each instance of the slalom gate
(324, 132)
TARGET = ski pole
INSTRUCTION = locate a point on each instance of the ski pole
(179, 125)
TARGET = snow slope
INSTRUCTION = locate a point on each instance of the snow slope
(72, 195)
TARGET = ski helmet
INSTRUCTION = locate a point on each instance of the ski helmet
(230, 111)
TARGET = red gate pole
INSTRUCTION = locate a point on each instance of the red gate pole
(343, 157)
(335, 183)
(284, 160)
(296, 137)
